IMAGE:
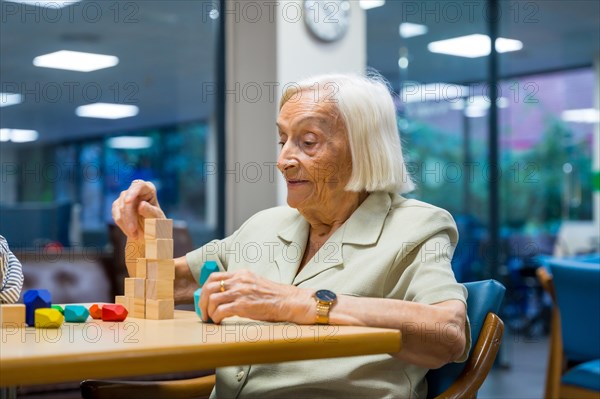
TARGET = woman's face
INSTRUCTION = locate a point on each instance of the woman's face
(315, 154)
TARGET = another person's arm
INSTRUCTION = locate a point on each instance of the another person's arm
(11, 273)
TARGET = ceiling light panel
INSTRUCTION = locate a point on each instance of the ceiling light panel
(75, 61)
(473, 46)
(107, 111)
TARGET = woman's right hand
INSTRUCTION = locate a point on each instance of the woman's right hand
(135, 204)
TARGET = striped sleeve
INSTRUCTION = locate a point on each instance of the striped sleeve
(11, 274)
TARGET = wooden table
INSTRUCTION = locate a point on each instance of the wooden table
(99, 349)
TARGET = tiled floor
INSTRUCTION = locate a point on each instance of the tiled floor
(522, 373)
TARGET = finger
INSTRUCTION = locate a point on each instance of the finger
(129, 211)
(204, 300)
(225, 310)
(146, 210)
(208, 290)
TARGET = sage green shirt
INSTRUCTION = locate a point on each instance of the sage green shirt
(390, 247)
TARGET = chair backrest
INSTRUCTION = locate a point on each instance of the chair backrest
(483, 297)
(577, 286)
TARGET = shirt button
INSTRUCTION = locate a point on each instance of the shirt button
(240, 376)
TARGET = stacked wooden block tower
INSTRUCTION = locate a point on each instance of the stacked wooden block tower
(149, 289)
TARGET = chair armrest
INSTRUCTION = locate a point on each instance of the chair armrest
(480, 361)
(177, 389)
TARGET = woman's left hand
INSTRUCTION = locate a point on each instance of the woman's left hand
(245, 294)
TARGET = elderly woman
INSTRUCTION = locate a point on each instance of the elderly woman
(348, 250)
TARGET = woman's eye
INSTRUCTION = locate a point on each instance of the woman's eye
(309, 143)
(281, 143)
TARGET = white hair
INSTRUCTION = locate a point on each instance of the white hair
(369, 114)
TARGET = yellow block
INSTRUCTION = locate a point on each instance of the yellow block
(48, 318)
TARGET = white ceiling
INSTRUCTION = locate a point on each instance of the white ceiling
(166, 51)
(167, 55)
(556, 34)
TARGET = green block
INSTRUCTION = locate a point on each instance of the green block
(59, 308)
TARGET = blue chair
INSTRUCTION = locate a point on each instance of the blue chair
(574, 364)
(455, 380)
(463, 380)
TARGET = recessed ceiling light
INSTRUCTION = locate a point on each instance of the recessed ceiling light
(413, 92)
(107, 111)
(46, 3)
(368, 4)
(75, 61)
(130, 142)
(7, 99)
(473, 46)
(585, 115)
(407, 29)
(18, 135)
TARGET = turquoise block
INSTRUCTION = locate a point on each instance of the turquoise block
(209, 267)
(76, 314)
(197, 301)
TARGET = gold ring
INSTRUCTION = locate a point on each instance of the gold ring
(222, 285)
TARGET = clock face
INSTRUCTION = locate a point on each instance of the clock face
(328, 20)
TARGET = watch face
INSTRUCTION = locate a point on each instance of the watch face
(325, 296)
(328, 20)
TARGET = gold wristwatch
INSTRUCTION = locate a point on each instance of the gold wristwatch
(325, 300)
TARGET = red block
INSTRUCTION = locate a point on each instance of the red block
(96, 311)
(114, 313)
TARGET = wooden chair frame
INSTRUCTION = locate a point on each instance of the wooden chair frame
(466, 386)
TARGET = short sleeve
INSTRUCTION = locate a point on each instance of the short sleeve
(423, 273)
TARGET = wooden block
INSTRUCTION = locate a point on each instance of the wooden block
(159, 249)
(133, 251)
(160, 269)
(12, 315)
(138, 306)
(125, 301)
(158, 228)
(135, 287)
(160, 309)
(159, 289)
(140, 269)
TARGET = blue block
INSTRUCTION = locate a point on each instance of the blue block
(76, 314)
(35, 299)
(209, 267)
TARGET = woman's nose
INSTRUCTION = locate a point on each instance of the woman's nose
(286, 158)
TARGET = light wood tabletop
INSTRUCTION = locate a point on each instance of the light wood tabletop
(98, 349)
